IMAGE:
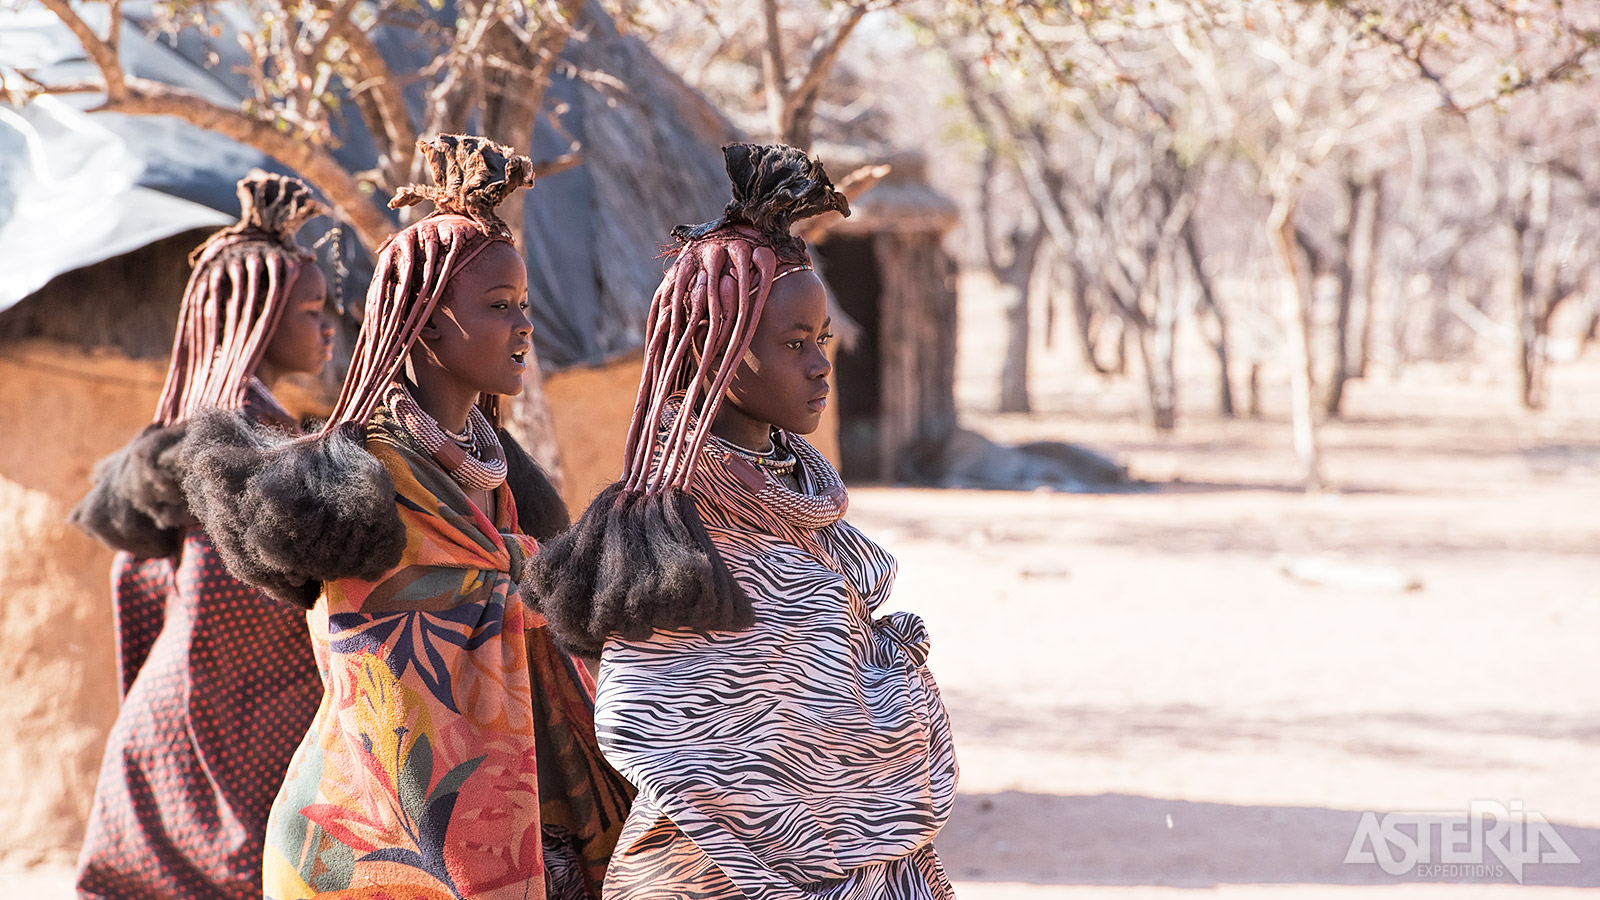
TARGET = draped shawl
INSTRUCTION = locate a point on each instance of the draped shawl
(217, 686)
(453, 750)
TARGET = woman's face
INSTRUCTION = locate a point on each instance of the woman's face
(303, 340)
(480, 333)
(783, 381)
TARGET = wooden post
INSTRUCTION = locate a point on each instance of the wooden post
(918, 353)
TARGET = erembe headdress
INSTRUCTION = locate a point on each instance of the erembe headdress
(236, 296)
(640, 559)
(472, 176)
(231, 306)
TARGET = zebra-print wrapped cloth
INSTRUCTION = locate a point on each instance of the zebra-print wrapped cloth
(809, 755)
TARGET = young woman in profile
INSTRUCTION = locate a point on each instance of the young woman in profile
(218, 681)
(453, 755)
(784, 742)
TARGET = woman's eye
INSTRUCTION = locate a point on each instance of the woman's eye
(823, 341)
(793, 345)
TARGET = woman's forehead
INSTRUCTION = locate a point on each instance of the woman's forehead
(799, 299)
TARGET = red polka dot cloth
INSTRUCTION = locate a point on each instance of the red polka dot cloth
(219, 687)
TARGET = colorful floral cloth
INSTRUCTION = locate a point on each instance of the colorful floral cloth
(453, 755)
(807, 757)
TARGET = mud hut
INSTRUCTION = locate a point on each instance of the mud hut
(94, 274)
(891, 274)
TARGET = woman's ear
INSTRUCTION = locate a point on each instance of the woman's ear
(430, 331)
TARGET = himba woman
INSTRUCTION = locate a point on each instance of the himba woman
(784, 742)
(453, 754)
(218, 682)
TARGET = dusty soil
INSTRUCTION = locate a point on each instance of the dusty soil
(1148, 704)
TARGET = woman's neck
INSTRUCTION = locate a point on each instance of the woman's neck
(737, 427)
(441, 396)
(269, 376)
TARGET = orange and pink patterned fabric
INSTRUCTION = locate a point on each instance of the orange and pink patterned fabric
(453, 755)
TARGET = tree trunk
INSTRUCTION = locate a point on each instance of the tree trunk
(1156, 349)
(1017, 277)
(1294, 309)
(509, 117)
(1014, 369)
(1530, 220)
(1208, 300)
(1344, 279)
(1086, 322)
(1158, 381)
(1365, 264)
(1254, 390)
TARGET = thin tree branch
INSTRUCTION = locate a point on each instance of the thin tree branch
(824, 53)
(104, 55)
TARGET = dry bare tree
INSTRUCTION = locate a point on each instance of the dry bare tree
(310, 62)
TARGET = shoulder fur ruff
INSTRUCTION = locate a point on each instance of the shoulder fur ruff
(634, 564)
(137, 502)
(287, 514)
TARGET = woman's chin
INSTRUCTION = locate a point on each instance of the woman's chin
(806, 425)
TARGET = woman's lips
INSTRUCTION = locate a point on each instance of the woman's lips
(819, 404)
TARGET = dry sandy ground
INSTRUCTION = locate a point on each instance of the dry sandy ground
(1147, 705)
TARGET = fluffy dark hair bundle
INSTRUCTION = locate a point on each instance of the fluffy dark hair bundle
(635, 563)
(287, 514)
(137, 501)
(774, 186)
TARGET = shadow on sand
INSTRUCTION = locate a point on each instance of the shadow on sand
(1122, 839)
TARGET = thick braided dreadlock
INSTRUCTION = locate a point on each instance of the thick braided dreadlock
(640, 559)
(321, 507)
(230, 308)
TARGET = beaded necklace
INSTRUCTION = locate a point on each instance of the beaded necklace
(473, 458)
(777, 459)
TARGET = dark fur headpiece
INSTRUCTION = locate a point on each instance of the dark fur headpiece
(137, 501)
(774, 186)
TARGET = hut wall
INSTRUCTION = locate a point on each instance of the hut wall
(591, 408)
(63, 410)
